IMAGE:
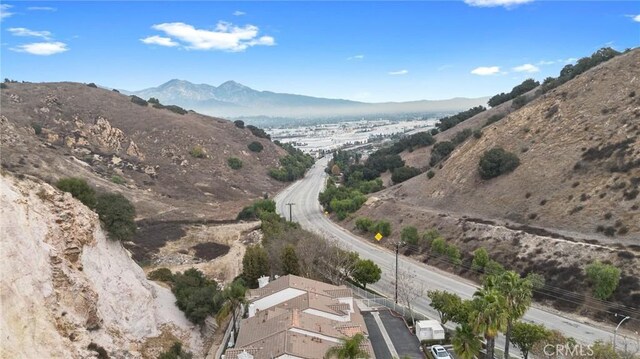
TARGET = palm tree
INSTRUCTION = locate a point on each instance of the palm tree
(489, 315)
(517, 294)
(349, 349)
(465, 342)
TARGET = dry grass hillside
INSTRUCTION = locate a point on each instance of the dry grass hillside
(141, 151)
(579, 148)
(572, 200)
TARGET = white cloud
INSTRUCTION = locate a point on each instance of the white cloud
(494, 3)
(399, 72)
(570, 60)
(355, 57)
(159, 40)
(42, 48)
(225, 37)
(4, 11)
(486, 70)
(239, 13)
(21, 31)
(41, 8)
(544, 63)
(526, 68)
(636, 18)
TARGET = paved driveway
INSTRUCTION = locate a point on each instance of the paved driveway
(404, 342)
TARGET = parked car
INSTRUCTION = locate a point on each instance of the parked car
(439, 352)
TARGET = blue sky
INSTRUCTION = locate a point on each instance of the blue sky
(367, 51)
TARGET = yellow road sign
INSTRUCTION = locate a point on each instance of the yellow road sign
(378, 236)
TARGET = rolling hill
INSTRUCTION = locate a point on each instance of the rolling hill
(54, 130)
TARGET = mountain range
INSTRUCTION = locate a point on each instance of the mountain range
(232, 99)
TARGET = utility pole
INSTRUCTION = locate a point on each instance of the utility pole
(290, 205)
(397, 249)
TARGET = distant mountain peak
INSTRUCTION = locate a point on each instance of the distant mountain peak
(232, 85)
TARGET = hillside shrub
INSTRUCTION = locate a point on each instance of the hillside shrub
(448, 122)
(461, 136)
(255, 146)
(197, 296)
(480, 259)
(176, 109)
(526, 86)
(79, 189)
(440, 150)
(3, 86)
(493, 119)
(91, 84)
(453, 253)
(477, 134)
(153, 101)
(258, 132)
(37, 128)
(409, 234)
(383, 227)
(117, 214)
(438, 246)
(239, 123)
(117, 179)
(496, 162)
(255, 210)
(604, 278)
(161, 275)
(175, 352)
(234, 162)
(197, 152)
(364, 224)
(116, 91)
(430, 174)
(519, 101)
(402, 174)
(101, 351)
(138, 101)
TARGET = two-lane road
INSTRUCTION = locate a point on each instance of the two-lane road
(308, 212)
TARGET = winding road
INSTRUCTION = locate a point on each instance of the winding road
(308, 212)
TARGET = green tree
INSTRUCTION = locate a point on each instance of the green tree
(79, 189)
(289, 260)
(537, 280)
(489, 316)
(480, 259)
(446, 304)
(366, 272)
(526, 335)
(197, 296)
(117, 214)
(239, 123)
(351, 348)
(496, 162)
(604, 279)
(465, 342)
(517, 293)
(255, 264)
(409, 235)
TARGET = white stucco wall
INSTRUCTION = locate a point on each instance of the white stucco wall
(314, 334)
(347, 300)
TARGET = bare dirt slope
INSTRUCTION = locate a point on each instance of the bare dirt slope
(98, 134)
(579, 147)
